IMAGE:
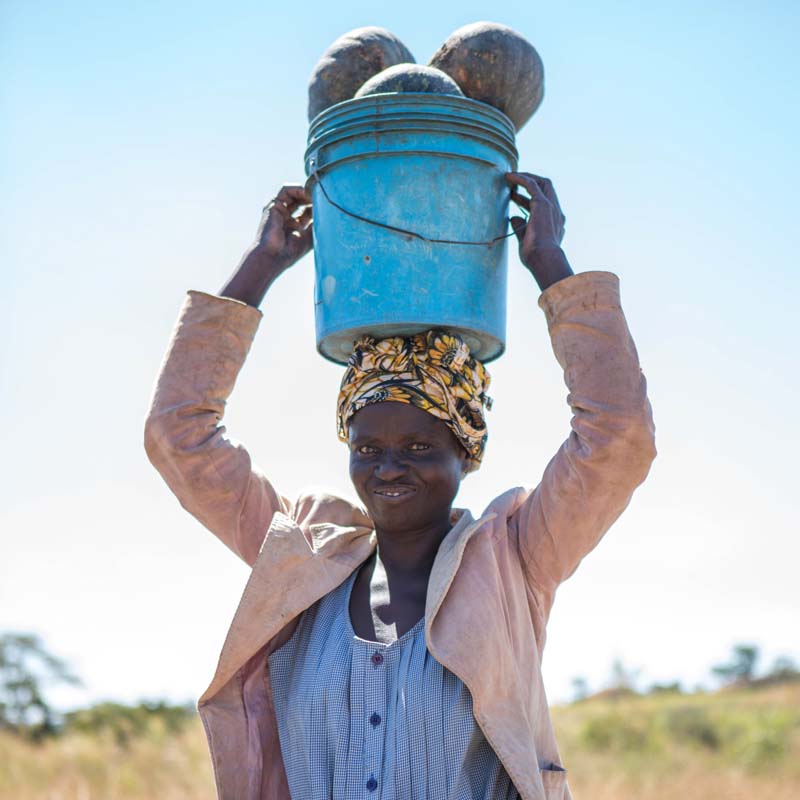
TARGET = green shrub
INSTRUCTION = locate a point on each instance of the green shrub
(760, 740)
(692, 725)
(124, 723)
(617, 732)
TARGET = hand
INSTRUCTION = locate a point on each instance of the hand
(284, 236)
(285, 232)
(540, 237)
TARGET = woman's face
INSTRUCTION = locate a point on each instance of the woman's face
(406, 466)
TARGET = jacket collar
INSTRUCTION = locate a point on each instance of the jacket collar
(292, 571)
(451, 550)
(448, 559)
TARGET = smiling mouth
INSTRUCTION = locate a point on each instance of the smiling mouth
(394, 492)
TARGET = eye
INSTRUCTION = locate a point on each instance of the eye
(419, 446)
(366, 450)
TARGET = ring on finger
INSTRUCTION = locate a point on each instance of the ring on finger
(277, 204)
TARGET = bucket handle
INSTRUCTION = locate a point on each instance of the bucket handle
(315, 175)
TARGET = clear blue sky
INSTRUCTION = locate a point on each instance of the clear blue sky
(138, 144)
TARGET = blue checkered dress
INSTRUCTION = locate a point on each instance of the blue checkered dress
(360, 719)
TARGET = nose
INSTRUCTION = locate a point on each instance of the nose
(390, 467)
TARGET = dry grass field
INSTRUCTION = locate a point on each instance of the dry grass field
(160, 765)
(729, 745)
(739, 744)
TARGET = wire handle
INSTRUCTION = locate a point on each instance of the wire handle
(315, 175)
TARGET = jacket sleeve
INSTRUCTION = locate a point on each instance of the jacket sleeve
(590, 480)
(212, 476)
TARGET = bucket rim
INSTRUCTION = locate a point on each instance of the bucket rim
(335, 136)
(428, 99)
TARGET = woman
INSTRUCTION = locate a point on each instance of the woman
(394, 650)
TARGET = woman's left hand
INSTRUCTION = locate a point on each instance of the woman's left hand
(540, 237)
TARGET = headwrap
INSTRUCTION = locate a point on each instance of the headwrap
(433, 371)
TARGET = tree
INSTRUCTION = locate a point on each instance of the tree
(580, 687)
(783, 669)
(741, 668)
(623, 679)
(26, 671)
(673, 687)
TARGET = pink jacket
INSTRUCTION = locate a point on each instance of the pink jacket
(493, 580)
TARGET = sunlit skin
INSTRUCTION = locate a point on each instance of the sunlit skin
(406, 466)
(393, 444)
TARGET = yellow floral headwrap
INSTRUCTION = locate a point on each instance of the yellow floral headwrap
(433, 371)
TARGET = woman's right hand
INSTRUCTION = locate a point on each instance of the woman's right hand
(284, 236)
(285, 232)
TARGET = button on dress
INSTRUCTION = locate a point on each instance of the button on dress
(359, 719)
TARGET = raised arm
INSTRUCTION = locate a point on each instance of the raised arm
(609, 451)
(213, 477)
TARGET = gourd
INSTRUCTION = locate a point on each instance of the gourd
(351, 61)
(496, 65)
(410, 78)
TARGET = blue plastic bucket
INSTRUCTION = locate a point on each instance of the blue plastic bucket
(410, 219)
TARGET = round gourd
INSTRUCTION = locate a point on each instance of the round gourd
(350, 61)
(410, 78)
(496, 65)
